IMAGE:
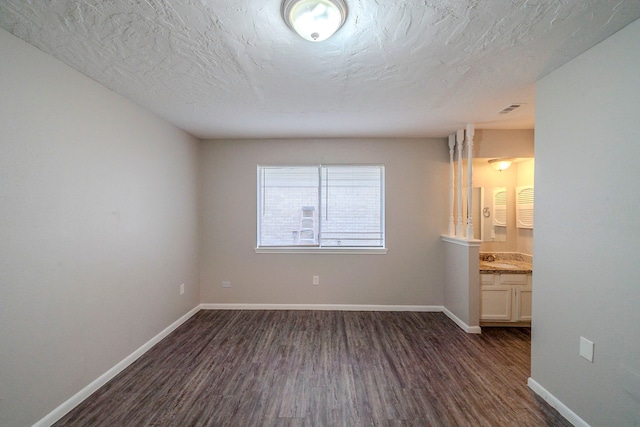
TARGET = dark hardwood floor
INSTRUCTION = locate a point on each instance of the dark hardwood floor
(323, 368)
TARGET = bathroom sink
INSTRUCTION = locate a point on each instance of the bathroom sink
(500, 265)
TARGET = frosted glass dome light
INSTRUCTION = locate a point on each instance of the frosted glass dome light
(500, 164)
(314, 20)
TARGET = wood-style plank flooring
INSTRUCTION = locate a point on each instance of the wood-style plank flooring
(323, 368)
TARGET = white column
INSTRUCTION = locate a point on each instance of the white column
(452, 145)
(460, 142)
(470, 133)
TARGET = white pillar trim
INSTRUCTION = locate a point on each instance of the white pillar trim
(452, 145)
(460, 143)
(470, 134)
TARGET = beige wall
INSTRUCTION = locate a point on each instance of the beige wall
(496, 143)
(586, 244)
(98, 228)
(519, 173)
(411, 273)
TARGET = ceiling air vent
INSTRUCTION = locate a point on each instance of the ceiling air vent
(509, 108)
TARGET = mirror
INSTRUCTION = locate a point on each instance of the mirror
(489, 213)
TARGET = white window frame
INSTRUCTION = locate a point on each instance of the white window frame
(318, 249)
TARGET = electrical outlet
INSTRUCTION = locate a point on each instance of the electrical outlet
(316, 280)
(226, 284)
(586, 349)
(182, 289)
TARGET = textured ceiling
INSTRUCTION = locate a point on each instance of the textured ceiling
(233, 69)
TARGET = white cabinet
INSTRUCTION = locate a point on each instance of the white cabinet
(522, 305)
(524, 206)
(505, 297)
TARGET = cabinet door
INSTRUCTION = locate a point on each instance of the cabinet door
(523, 304)
(495, 303)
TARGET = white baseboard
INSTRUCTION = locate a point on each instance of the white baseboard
(468, 329)
(325, 307)
(77, 398)
(571, 416)
(347, 307)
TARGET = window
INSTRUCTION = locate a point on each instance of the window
(321, 207)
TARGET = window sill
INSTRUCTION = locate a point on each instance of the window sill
(316, 250)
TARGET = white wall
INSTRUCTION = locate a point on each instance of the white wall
(417, 199)
(461, 282)
(587, 235)
(98, 227)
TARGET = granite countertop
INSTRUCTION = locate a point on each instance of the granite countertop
(521, 267)
(490, 263)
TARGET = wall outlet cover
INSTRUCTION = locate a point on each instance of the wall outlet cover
(586, 349)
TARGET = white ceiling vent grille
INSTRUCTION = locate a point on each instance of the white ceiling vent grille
(510, 108)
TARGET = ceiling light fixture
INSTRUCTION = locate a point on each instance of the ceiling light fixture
(314, 20)
(500, 164)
